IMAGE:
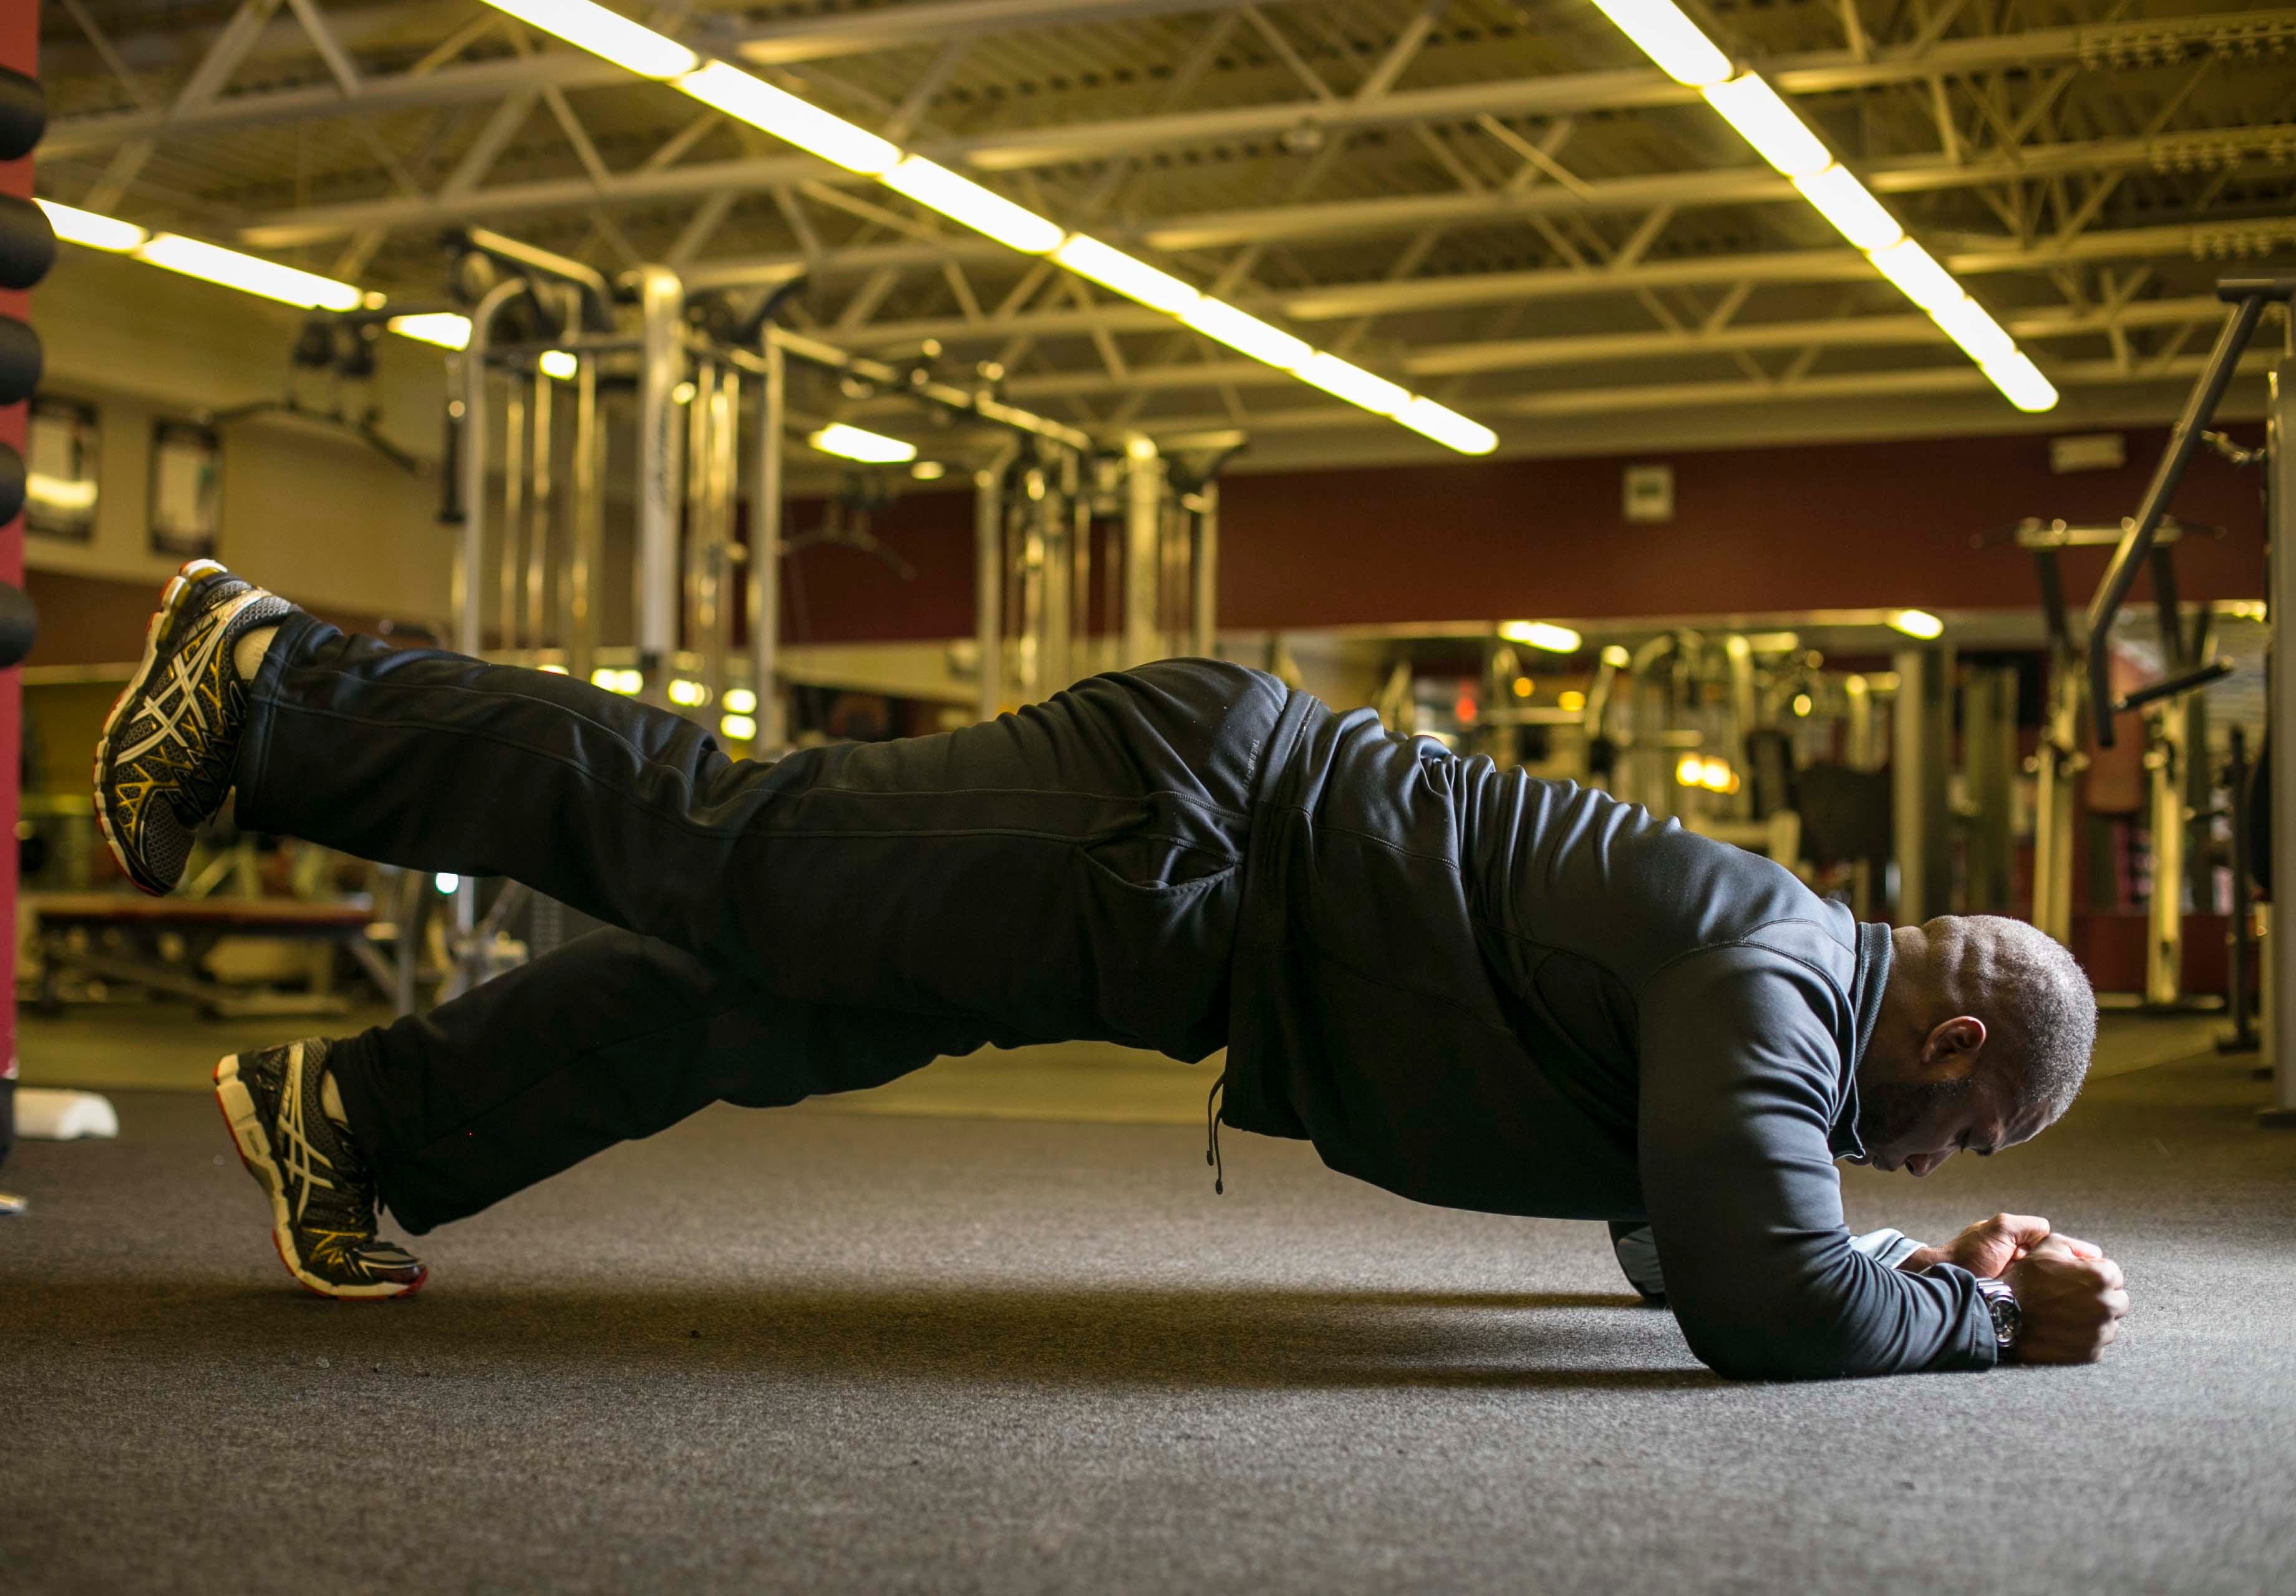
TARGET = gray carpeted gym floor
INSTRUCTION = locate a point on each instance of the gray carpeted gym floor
(822, 1350)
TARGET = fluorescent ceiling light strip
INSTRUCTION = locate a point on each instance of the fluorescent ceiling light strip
(1247, 334)
(1354, 384)
(1980, 336)
(248, 273)
(1769, 124)
(449, 330)
(1543, 635)
(91, 231)
(750, 99)
(1677, 45)
(1916, 275)
(2021, 382)
(791, 119)
(1448, 427)
(962, 200)
(1662, 31)
(443, 328)
(854, 443)
(630, 45)
(1088, 257)
(1856, 214)
(58, 492)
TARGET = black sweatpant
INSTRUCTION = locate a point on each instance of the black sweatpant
(822, 923)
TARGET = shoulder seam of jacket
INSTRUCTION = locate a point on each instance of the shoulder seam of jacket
(1746, 941)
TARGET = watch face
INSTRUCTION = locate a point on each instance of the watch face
(2006, 1319)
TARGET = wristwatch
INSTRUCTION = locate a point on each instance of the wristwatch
(2008, 1319)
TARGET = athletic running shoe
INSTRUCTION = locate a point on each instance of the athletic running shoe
(322, 1211)
(164, 762)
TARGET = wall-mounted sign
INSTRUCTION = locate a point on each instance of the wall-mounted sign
(60, 469)
(1650, 493)
(186, 489)
(2088, 452)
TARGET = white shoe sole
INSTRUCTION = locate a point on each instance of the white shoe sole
(246, 1134)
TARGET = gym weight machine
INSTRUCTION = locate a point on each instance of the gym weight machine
(707, 371)
(2250, 295)
(2176, 757)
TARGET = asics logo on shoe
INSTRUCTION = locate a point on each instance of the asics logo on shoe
(192, 683)
(172, 735)
(299, 1160)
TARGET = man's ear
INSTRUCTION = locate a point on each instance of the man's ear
(1949, 1051)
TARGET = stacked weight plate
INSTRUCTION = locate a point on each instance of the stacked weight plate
(27, 248)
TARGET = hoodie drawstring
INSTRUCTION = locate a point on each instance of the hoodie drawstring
(1211, 1137)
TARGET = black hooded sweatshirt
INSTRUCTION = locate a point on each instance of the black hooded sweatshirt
(1488, 992)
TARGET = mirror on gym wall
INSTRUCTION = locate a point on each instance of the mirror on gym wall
(186, 489)
(60, 484)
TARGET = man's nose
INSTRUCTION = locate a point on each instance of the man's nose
(1921, 1164)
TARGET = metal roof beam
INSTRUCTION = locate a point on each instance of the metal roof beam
(1961, 378)
(2219, 241)
(1342, 301)
(2235, 35)
(899, 26)
(1534, 354)
(1730, 185)
(792, 40)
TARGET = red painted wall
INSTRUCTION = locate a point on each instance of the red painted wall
(20, 38)
(1844, 526)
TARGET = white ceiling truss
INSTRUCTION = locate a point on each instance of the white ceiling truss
(1496, 201)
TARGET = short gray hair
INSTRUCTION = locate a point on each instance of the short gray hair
(2038, 1006)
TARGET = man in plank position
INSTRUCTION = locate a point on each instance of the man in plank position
(1464, 986)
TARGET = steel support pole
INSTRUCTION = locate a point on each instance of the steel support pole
(470, 584)
(2056, 764)
(1075, 482)
(1029, 580)
(989, 578)
(2240, 991)
(1054, 527)
(694, 578)
(765, 550)
(2164, 946)
(542, 510)
(515, 466)
(1203, 639)
(1989, 740)
(470, 568)
(725, 464)
(586, 525)
(2280, 533)
(1143, 507)
(1922, 727)
(661, 300)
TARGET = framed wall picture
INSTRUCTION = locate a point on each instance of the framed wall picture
(60, 469)
(186, 489)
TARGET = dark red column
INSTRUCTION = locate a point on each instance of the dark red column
(20, 38)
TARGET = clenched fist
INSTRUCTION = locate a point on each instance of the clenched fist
(1990, 1245)
(2070, 1304)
